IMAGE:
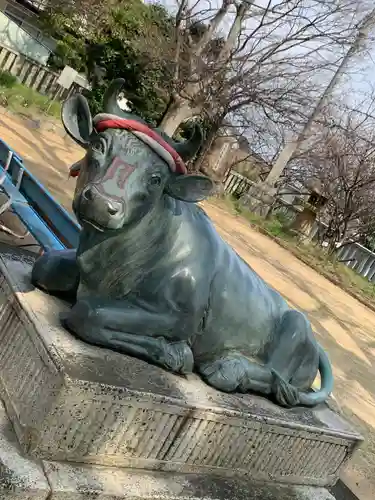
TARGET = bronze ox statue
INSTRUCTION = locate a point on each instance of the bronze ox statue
(152, 278)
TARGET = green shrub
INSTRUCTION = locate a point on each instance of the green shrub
(7, 80)
(29, 102)
(275, 227)
(284, 218)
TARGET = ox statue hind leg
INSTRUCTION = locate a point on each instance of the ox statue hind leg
(105, 325)
(56, 272)
(291, 362)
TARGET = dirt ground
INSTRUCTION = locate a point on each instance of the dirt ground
(344, 327)
(48, 154)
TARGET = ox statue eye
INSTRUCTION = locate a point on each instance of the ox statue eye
(155, 180)
(98, 145)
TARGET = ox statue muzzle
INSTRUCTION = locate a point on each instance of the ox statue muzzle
(101, 198)
(99, 210)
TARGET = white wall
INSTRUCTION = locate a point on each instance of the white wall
(17, 39)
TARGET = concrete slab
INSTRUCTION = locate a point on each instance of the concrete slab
(20, 478)
(71, 482)
(71, 401)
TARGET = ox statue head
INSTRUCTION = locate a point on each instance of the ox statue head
(128, 167)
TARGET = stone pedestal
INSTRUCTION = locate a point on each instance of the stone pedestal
(72, 402)
(260, 198)
(23, 478)
(304, 223)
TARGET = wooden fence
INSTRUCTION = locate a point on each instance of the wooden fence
(236, 184)
(32, 74)
(358, 258)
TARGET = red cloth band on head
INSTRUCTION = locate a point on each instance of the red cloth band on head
(122, 123)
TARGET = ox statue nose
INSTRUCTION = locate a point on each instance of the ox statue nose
(91, 194)
(112, 209)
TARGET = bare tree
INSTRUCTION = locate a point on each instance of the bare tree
(261, 115)
(341, 156)
(260, 56)
(255, 140)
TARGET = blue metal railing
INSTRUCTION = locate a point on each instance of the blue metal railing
(49, 223)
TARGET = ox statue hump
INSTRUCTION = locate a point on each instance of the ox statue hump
(153, 279)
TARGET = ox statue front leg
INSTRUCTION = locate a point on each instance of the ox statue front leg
(107, 325)
(56, 272)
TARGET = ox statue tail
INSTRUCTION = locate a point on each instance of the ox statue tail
(287, 395)
(326, 375)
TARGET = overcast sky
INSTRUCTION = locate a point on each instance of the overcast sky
(359, 81)
(354, 88)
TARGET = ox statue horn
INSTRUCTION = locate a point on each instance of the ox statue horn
(186, 149)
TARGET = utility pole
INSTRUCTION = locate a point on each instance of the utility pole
(288, 151)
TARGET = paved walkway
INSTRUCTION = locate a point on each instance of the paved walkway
(345, 327)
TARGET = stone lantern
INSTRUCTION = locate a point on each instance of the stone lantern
(309, 209)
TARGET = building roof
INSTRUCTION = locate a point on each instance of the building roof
(34, 6)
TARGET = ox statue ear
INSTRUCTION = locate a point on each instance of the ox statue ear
(190, 188)
(77, 120)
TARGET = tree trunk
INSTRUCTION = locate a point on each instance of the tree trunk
(175, 114)
(200, 162)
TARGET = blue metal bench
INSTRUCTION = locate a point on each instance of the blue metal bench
(48, 222)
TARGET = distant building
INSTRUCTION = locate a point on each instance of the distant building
(229, 152)
(19, 30)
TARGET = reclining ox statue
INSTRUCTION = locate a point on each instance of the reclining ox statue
(153, 279)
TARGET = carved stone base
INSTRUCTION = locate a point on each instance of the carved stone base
(23, 478)
(70, 401)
